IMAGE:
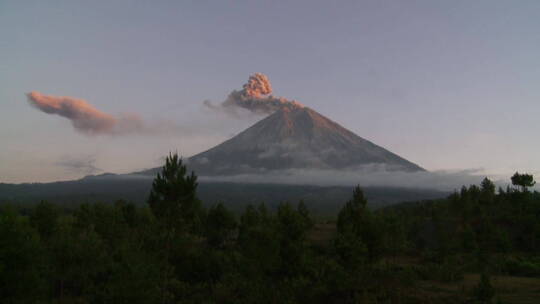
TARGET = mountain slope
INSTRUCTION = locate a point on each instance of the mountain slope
(295, 138)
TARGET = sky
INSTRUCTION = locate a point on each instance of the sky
(449, 85)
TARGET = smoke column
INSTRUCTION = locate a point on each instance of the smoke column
(255, 97)
(83, 116)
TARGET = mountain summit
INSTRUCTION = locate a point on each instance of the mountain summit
(295, 138)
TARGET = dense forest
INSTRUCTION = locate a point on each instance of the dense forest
(479, 245)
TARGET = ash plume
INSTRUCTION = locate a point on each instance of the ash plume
(84, 117)
(255, 97)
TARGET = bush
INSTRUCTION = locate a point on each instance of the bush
(449, 271)
(521, 266)
(484, 291)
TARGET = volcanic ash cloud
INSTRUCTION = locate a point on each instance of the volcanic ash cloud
(84, 117)
(255, 97)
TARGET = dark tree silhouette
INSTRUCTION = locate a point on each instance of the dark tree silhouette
(487, 191)
(484, 291)
(44, 219)
(523, 180)
(220, 224)
(173, 198)
(350, 217)
(355, 221)
(174, 203)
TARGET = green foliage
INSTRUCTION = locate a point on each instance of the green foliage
(356, 221)
(468, 239)
(174, 251)
(44, 219)
(523, 180)
(292, 230)
(304, 212)
(352, 252)
(520, 266)
(258, 240)
(395, 237)
(133, 277)
(449, 270)
(21, 266)
(487, 194)
(79, 258)
(351, 216)
(173, 199)
(220, 225)
(484, 291)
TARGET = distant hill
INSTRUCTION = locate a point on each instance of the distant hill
(322, 200)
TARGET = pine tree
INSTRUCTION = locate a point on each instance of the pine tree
(21, 260)
(356, 221)
(173, 201)
(44, 219)
(173, 198)
(523, 180)
(484, 291)
(220, 223)
(350, 216)
(487, 191)
(292, 233)
(304, 212)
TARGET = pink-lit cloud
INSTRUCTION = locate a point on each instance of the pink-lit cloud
(84, 117)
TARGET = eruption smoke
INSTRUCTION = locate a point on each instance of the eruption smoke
(258, 85)
(84, 117)
(255, 97)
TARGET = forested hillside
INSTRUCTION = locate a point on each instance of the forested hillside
(479, 245)
(322, 200)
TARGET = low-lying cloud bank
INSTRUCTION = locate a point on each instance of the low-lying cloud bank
(438, 180)
(367, 176)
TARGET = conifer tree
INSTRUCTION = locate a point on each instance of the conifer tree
(523, 180)
(487, 191)
(174, 203)
(484, 290)
(355, 221)
(220, 223)
(44, 219)
(173, 198)
(304, 212)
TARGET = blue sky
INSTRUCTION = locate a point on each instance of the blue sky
(446, 84)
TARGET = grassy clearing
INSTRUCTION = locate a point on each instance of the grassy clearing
(508, 289)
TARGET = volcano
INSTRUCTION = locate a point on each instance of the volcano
(295, 138)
